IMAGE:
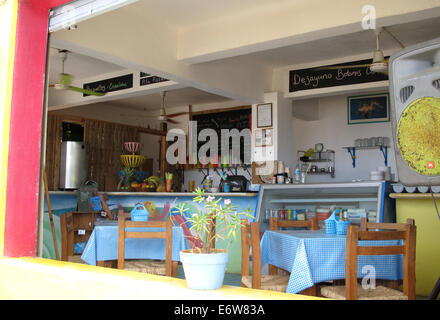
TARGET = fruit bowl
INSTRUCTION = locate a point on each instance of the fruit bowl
(132, 147)
(132, 160)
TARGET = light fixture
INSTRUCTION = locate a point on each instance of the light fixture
(68, 15)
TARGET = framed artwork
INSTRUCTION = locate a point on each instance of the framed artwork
(263, 137)
(368, 108)
(264, 115)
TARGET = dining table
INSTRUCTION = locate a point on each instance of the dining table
(312, 257)
(103, 244)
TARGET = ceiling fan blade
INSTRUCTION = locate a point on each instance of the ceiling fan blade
(176, 114)
(85, 91)
(136, 115)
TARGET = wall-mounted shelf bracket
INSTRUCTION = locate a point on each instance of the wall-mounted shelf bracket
(384, 150)
(352, 152)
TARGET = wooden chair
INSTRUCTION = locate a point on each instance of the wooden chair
(75, 227)
(250, 242)
(351, 290)
(365, 225)
(275, 224)
(164, 268)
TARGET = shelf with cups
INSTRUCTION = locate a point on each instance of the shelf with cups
(327, 156)
(382, 148)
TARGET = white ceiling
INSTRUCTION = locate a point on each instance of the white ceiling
(182, 15)
(78, 65)
(174, 98)
(353, 44)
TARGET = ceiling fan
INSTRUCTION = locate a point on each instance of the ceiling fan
(65, 79)
(379, 63)
(163, 116)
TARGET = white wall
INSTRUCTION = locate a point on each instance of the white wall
(333, 131)
(282, 136)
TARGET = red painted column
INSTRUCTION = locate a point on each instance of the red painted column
(23, 178)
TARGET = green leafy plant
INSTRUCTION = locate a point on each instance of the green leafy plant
(168, 176)
(128, 174)
(222, 214)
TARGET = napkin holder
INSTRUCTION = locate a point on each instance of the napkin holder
(139, 213)
(330, 223)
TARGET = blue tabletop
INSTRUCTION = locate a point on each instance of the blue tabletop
(103, 244)
(314, 256)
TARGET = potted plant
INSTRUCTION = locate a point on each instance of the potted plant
(168, 181)
(205, 266)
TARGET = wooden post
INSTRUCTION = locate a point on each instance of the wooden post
(163, 145)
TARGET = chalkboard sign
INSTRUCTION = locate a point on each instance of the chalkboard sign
(149, 79)
(109, 85)
(235, 119)
(320, 77)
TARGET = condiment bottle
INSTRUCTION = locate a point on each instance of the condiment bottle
(297, 174)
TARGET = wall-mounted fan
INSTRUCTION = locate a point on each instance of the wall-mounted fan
(379, 63)
(163, 116)
(65, 80)
(415, 113)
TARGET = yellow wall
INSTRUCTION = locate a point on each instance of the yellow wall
(8, 19)
(36, 278)
(428, 240)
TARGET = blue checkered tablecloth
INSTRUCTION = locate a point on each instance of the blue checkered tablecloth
(314, 256)
(103, 244)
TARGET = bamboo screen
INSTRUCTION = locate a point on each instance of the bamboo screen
(53, 150)
(104, 141)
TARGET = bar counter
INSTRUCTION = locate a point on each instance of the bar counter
(163, 194)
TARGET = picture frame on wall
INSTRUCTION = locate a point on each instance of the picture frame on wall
(263, 137)
(264, 115)
(368, 108)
